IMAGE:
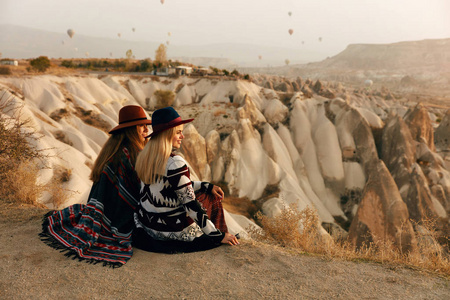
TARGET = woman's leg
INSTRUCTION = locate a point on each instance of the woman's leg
(214, 210)
(143, 241)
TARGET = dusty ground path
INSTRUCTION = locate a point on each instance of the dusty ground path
(31, 270)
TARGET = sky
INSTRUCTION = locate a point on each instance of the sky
(337, 23)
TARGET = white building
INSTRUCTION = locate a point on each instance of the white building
(183, 70)
(9, 62)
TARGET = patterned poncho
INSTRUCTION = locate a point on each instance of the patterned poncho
(169, 210)
(99, 231)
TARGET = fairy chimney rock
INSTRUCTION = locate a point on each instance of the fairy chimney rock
(419, 123)
(194, 150)
(442, 133)
(382, 216)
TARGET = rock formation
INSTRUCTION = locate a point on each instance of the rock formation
(364, 163)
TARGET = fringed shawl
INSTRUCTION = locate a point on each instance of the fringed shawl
(99, 231)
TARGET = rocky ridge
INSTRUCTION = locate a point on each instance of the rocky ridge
(367, 161)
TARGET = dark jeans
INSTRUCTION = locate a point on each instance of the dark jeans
(143, 241)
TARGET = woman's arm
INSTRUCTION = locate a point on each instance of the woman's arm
(207, 187)
(179, 180)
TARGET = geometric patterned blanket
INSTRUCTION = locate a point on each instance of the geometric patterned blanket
(99, 231)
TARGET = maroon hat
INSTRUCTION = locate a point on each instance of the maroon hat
(166, 118)
(131, 115)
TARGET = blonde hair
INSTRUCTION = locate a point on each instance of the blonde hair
(126, 137)
(152, 160)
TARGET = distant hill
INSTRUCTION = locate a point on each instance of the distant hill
(22, 42)
(424, 63)
(426, 55)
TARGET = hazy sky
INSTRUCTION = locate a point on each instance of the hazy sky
(261, 22)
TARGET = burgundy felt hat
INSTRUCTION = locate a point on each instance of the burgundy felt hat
(166, 118)
(131, 115)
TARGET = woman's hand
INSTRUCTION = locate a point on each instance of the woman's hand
(230, 239)
(217, 192)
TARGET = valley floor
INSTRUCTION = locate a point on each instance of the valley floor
(31, 270)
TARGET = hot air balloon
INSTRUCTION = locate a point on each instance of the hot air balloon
(134, 29)
(320, 39)
(62, 42)
(260, 57)
(169, 33)
(287, 61)
(87, 54)
(291, 31)
(119, 34)
(290, 13)
(70, 32)
(167, 42)
(162, 1)
(303, 42)
(368, 83)
(110, 54)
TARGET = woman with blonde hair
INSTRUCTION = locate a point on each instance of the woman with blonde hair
(100, 231)
(169, 217)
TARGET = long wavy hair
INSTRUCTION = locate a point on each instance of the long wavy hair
(126, 137)
(152, 160)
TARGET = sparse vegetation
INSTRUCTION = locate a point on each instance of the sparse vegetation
(40, 64)
(4, 70)
(19, 161)
(283, 230)
(164, 98)
(92, 118)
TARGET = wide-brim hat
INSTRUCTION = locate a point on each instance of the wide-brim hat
(131, 115)
(166, 118)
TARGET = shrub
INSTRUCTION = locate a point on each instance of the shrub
(40, 64)
(67, 64)
(164, 98)
(20, 162)
(5, 70)
(290, 229)
(235, 73)
(18, 166)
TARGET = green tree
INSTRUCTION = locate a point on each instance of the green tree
(235, 73)
(145, 65)
(67, 64)
(40, 64)
(225, 72)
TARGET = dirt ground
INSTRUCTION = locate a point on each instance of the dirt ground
(32, 270)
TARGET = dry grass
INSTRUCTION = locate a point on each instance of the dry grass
(18, 182)
(58, 194)
(20, 162)
(300, 230)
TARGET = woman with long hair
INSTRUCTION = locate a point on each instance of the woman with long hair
(169, 217)
(101, 230)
